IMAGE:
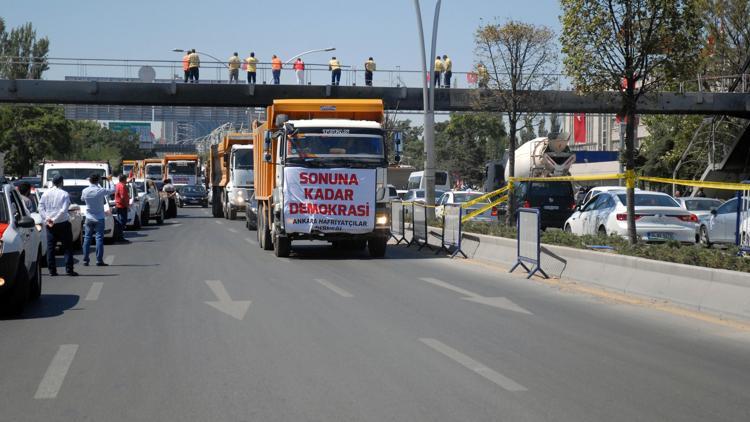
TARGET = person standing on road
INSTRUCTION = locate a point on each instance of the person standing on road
(276, 69)
(171, 191)
(438, 71)
(122, 203)
(299, 69)
(186, 65)
(94, 197)
(53, 208)
(252, 68)
(369, 69)
(234, 68)
(194, 63)
(335, 67)
(447, 70)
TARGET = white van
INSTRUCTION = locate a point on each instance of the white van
(442, 180)
(74, 172)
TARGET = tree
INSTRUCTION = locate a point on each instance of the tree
(465, 143)
(727, 25)
(24, 57)
(554, 123)
(541, 129)
(519, 57)
(527, 133)
(30, 134)
(638, 45)
(413, 147)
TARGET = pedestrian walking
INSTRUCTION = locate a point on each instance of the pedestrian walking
(94, 196)
(234, 68)
(186, 65)
(299, 68)
(438, 71)
(483, 77)
(335, 67)
(171, 192)
(122, 203)
(447, 70)
(276, 69)
(252, 68)
(194, 63)
(369, 69)
(53, 208)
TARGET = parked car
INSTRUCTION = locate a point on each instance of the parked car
(699, 206)
(20, 261)
(392, 193)
(35, 182)
(465, 196)
(417, 195)
(555, 201)
(719, 226)
(658, 217)
(597, 190)
(153, 206)
(192, 195)
(251, 213)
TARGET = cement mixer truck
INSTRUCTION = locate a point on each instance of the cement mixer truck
(543, 157)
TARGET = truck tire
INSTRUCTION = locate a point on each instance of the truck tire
(282, 246)
(13, 302)
(377, 246)
(264, 232)
(216, 204)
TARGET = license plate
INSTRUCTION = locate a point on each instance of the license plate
(661, 236)
(551, 207)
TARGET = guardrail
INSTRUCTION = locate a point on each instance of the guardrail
(398, 222)
(528, 242)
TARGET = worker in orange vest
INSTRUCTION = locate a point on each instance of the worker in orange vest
(276, 69)
(186, 64)
(299, 68)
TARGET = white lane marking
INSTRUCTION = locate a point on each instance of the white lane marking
(55, 375)
(495, 302)
(176, 224)
(218, 222)
(469, 363)
(109, 259)
(234, 308)
(249, 240)
(95, 290)
(233, 230)
(336, 289)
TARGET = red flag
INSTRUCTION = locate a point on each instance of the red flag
(579, 128)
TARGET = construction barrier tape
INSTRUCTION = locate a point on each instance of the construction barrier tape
(583, 178)
(485, 196)
(474, 213)
(698, 183)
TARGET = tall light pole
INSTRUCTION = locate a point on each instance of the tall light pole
(318, 50)
(428, 94)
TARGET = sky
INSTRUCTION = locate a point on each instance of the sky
(385, 29)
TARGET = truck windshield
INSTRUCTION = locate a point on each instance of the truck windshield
(74, 173)
(153, 170)
(243, 159)
(323, 145)
(181, 167)
(126, 168)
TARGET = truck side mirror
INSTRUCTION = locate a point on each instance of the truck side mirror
(397, 146)
(267, 147)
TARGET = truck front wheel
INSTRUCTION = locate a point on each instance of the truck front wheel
(282, 246)
(376, 246)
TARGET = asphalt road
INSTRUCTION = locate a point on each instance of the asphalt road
(193, 322)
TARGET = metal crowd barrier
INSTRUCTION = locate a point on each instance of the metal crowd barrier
(451, 237)
(419, 225)
(529, 247)
(398, 223)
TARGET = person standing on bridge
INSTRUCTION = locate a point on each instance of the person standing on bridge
(252, 68)
(438, 71)
(369, 69)
(186, 65)
(94, 196)
(53, 208)
(483, 77)
(276, 66)
(234, 68)
(448, 70)
(335, 67)
(299, 69)
(194, 62)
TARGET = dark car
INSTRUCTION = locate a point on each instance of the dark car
(555, 201)
(192, 195)
(251, 213)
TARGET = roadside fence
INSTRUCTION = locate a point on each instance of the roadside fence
(529, 246)
(450, 240)
(398, 223)
(419, 225)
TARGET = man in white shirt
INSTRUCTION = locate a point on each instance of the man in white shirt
(94, 196)
(53, 207)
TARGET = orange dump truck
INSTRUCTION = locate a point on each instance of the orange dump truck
(130, 167)
(152, 169)
(320, 174)
(183, 169)
(230, 174)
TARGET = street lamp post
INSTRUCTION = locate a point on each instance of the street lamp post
(428, 94)
(318, 50)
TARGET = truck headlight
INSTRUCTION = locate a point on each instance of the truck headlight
(381, 219)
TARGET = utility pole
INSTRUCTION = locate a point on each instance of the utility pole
(428, 94)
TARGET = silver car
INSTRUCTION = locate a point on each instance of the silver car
(461, 197)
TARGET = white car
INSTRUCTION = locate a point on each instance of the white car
(720, 225)
(599, 189)
(136, 205)
(20, 254)
(151, 203)
(658, 217)
(460, 197)
(700, 206)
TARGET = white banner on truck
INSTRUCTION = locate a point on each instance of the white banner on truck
(337, 200)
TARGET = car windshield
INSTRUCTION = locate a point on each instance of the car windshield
(74, 173)
(75, 194)
(126, 168)
(243, 159)
(650, 200)
(460, 198)
(192, 189)
(336, 145)
(701, 204)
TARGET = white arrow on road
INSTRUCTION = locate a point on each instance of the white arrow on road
(496, 302)
(234, 308)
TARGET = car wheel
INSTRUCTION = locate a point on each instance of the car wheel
(137, 222)
(568, 229)
(13, 302)
(704, 237)
(602, 231)
(35, 284)
(232, 213)
(160, 217)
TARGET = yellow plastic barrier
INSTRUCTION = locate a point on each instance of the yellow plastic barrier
(698, 183)
(485, 196)
(474, 213)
